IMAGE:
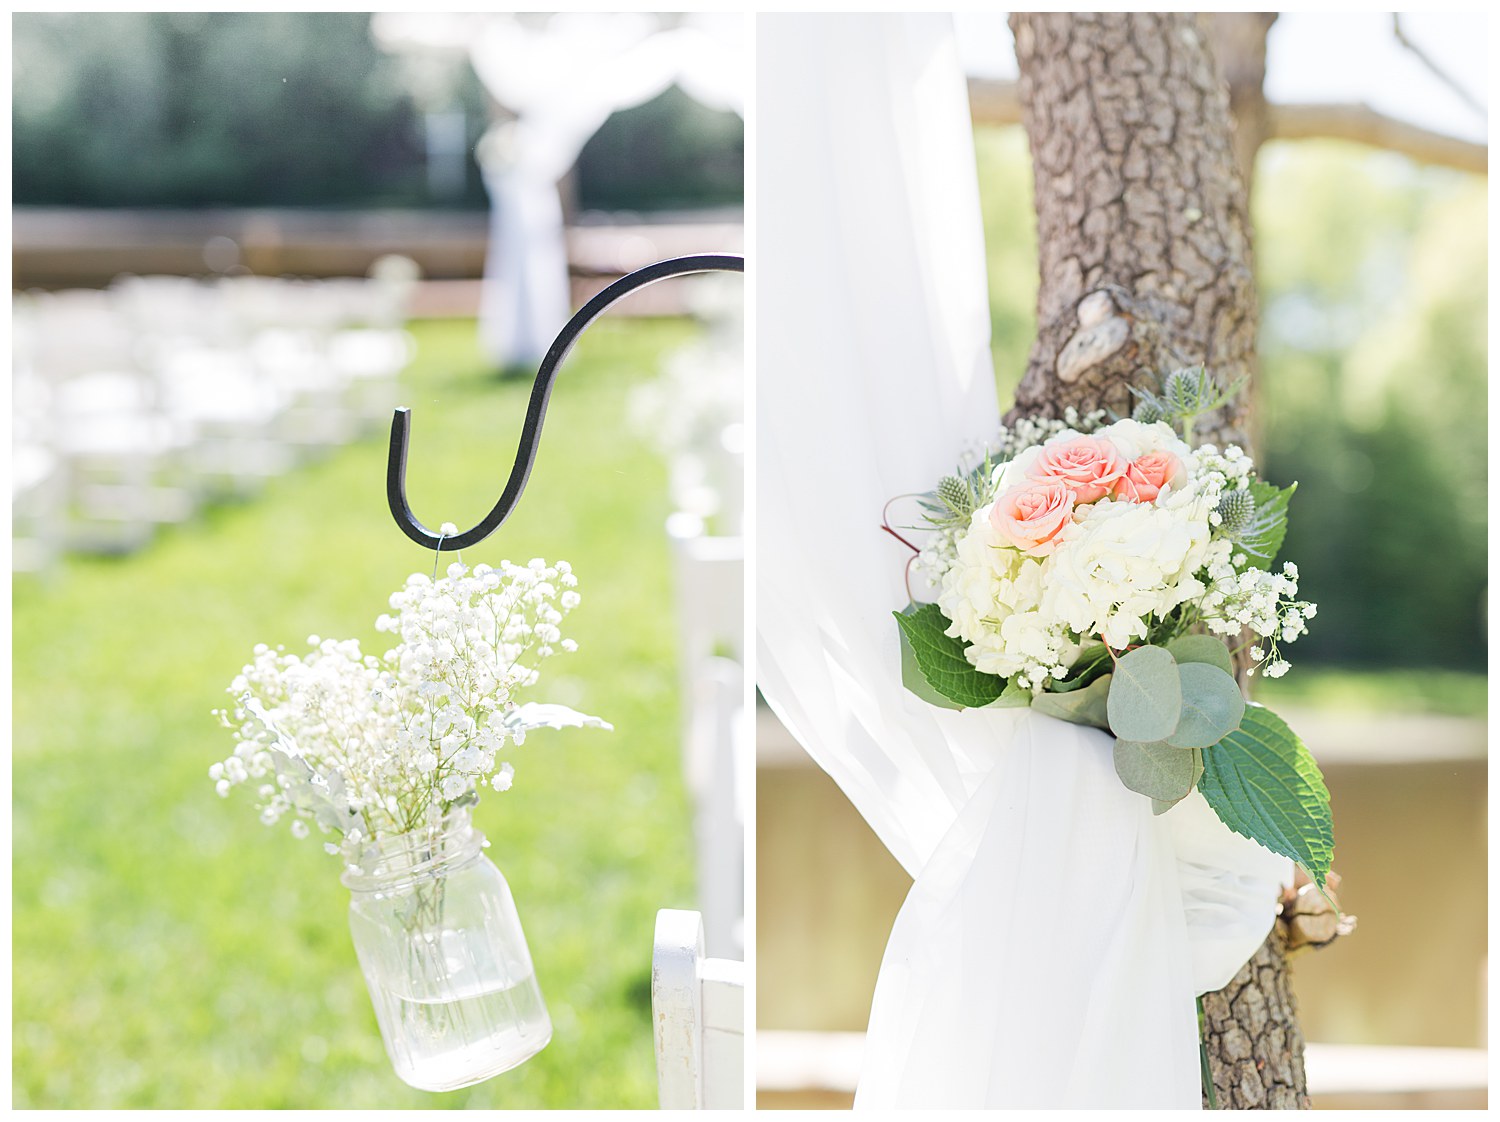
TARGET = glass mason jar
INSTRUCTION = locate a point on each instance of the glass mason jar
(444, 957)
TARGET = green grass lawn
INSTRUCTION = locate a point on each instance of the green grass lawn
(170, 951)
(1453, 693)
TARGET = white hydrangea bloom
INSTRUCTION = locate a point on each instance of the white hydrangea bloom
(991, 594)
(1121, 564)
(1135, 439)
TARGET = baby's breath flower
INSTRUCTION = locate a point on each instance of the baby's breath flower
(365, 746)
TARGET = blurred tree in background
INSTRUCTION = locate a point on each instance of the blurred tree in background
(668, 153)
(1374, 358)
(185, 109)
(200, 109)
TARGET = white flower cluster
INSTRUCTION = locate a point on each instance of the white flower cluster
(1124, 564)
(938, 554)
(1112, 537)
(993, 596)
(1029, 432)
(369, 747)
(1220, 472)
(1241, 597)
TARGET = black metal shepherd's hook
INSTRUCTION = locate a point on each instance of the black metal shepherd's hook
(536, 411)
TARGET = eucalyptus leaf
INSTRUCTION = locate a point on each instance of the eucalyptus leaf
(1145, 697)
(1263, 784)
(940, 658)
(1201, 648)
(1212, 706)
(1155, 769)
(1088, 706)
(1013, 696)
(1161, 806)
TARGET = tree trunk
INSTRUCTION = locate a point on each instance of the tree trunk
(1254, 1042)
(1237, 40)
(1141, 221)
(1145, 266)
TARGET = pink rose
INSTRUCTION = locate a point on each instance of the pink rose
(1031, 515)
(1089, 465)
(1145, 477)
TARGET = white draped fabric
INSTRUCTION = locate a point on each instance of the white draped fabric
(1056, 933)
(562, 80)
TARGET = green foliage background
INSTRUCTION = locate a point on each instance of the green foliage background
(1373, 384)
(169, 951)
(194, 109)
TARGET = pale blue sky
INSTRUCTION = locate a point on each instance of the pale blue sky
(1328, 57)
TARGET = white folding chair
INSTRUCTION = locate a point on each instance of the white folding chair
(698, 1010)
(709, 575)
(235, 409)
(371, 358)
(122, 460)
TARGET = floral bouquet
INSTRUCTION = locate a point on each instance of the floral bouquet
(385, 757)
(365, 747)
(1085, 569)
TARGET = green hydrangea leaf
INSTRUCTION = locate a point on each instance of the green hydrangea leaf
(1263, 541)
(1088, 706)
(1145, 697)
(1212, 706)
(1201, 648)
(1263, 784)
(1084, 672)
(940, 668)
(1013, 696)
(1155, 769)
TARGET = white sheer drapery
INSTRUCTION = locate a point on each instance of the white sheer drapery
(1056, 933)
(562, 79)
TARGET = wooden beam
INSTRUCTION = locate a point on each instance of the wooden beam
(1363, 125)
(996, 102)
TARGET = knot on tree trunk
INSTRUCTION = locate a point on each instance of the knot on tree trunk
(1312, 918)
(1102, 331)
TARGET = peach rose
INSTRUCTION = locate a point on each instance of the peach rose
(1089, 465)
(1145, 477)
(1031, 515)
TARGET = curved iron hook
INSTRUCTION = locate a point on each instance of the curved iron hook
(536, 411)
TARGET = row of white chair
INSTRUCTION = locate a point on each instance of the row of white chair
(134, 405)
(695, 415)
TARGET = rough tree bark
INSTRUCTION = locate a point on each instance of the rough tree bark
(1146, 266)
